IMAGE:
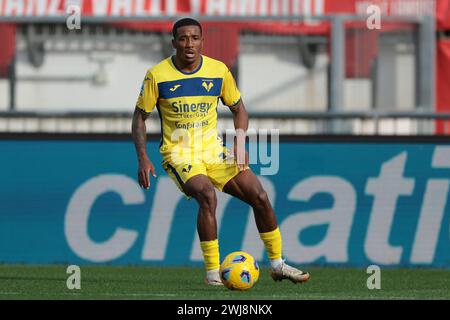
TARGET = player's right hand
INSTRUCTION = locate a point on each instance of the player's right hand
(145, 168)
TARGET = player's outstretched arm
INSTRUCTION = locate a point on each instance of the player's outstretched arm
(139, 134)
(240, 119)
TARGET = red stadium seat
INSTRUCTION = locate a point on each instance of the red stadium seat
(8, 41)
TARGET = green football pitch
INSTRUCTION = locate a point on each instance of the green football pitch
(136, 282)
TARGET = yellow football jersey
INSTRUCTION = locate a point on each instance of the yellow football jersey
(187, 102)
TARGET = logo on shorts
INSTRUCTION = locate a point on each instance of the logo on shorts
(226, 156)
(187, 168)
(222, 155)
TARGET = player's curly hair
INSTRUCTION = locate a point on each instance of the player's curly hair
(185, 22)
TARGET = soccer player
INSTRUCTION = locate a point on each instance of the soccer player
(185, 89)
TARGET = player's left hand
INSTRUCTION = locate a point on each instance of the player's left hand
(241, 155)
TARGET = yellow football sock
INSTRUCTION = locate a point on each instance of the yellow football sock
(210, 251)
(273, 243)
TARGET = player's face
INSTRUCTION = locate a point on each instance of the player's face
(188, 44)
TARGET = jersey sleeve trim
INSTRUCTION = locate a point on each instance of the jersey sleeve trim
(235, 104)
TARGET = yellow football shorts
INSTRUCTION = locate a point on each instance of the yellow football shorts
(218, 165)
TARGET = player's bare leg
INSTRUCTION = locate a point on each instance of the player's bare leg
(201, 189)
(247, 187)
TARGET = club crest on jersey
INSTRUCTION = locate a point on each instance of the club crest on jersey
(208, 85)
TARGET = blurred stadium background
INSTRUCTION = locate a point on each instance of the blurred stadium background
(321, 62)
(364, 118)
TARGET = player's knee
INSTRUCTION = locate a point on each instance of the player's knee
(206, 196)
(260, 199)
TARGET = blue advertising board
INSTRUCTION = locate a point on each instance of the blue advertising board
(337, 203)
